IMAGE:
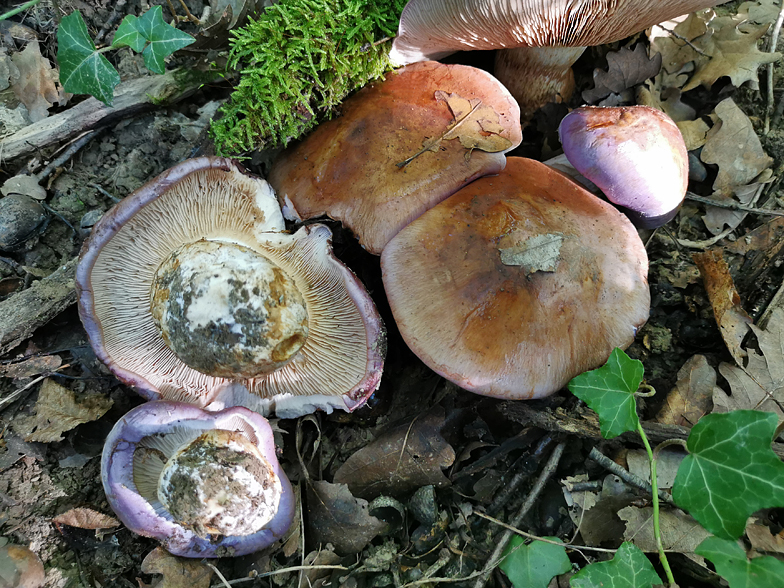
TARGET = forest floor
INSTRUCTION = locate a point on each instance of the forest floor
(459, 454)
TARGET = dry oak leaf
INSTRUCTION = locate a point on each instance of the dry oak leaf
(58, 410)
(625, 69)
(734, 53)
(402, 459)
(37, 86)
(734, 146)
(178, 572)
(732, 319)
(760, 384)
(86, 518)
(695, 133)
(678, 57)
(679, 532)
(692, 395)
(762, 12)
(476, 126)
(761, 538)
(335, 516)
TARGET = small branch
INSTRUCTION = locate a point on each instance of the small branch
(684, 39)
(19, 9)
(625, 475)
(67, 154)
(774, 41)
(544, 476)
(730, 205)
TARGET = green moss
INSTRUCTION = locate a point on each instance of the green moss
(297, 62)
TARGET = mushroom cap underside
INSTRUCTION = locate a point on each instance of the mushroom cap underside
(157, 419)
(431, 29)
(381, 163)
(210, 199)
(517, 283)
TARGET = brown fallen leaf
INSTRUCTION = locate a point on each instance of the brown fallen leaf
(679, 532)
(86, 518)
(38, 84)
(762, 539)
(58, 410)
(625, 69)
(733, 52)
(178, 572)
(734, 146)
(475, 125)
(335, 516)
(732, 319)
(759, 385)
(400, 460)
(692, 395)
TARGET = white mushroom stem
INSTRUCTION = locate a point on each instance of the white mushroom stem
(537, 75)
(217, 483)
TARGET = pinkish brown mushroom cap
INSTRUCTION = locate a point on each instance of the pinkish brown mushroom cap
(634, 154)
(517, 283)
(190, 291)
(380, 164)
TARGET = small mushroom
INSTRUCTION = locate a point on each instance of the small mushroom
(634, 154)
(517, 283)
(399, 147)
(205, 484)
(190, 291)
(431, 29)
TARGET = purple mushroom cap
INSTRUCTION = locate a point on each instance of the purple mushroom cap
(634, 154)
(157, 419)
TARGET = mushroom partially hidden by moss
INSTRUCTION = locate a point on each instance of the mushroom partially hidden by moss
(205, 484)
(517, 283)
(634, 154)
(190, 290)
(399, 147)
(544, 39)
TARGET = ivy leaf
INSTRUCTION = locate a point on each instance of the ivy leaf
(163, 39)
(629, 568)
(128, 35)
(534, 565)
(82, 69)
(609, 391)
(732, 565)
(731, 471)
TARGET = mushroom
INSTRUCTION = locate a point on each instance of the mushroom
(431, 29)
(205, 484)
(517, 283)
(190, 291)
(399, 147)
(634, 154)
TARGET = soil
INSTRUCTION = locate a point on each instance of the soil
(41, 480)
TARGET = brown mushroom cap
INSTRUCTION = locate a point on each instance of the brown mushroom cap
(211, 200)
(476, 300)
(349, 168)
(431, 29)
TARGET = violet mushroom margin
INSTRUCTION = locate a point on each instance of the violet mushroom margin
(152, 423)
(210, 200)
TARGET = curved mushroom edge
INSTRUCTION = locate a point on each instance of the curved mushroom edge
(636, 155)
(156, 418)
(108, 226)
(349, 376)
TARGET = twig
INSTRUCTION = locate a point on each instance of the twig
(17, 394)
(276, 572)
(109, 24)
(191, 18)
(542, 539)
(544, 476)
(625, 475)
(684, 39)
(109, 195)
(506, 492)
(218, 573)
(699, 244)
(732, 205)
(774, 41)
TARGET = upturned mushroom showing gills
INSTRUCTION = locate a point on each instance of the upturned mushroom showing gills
(205, 484)
(399, 147)
(189, 290)
(432, 29)
(517, 283)
(634, 154)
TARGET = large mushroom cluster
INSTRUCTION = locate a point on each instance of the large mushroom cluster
(503, 275)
